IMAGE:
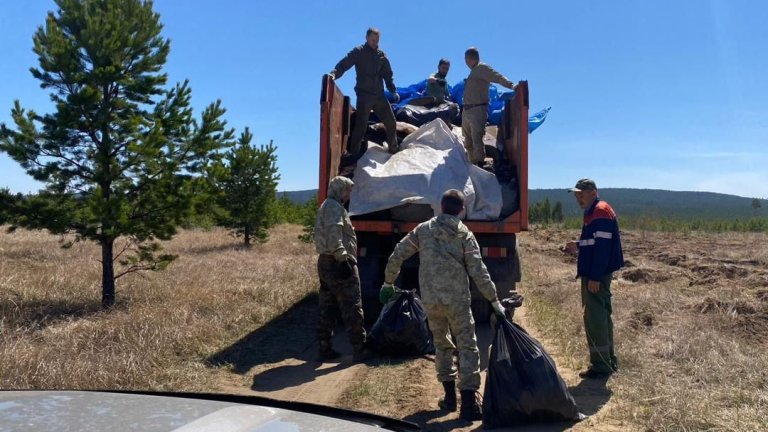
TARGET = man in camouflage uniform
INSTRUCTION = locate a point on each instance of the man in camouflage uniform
(448, 252)
(474, 113)
(336, 243)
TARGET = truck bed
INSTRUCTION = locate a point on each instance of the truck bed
(335, 127)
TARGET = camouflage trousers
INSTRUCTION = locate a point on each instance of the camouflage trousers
(457, 321)
(473, 129)
(339, 292)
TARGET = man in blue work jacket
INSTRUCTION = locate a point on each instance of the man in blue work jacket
(600, 254)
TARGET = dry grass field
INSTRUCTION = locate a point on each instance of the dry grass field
(691, 326)
(53, 333)
(691, 316)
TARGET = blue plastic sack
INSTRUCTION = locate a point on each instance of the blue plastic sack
(496, 101)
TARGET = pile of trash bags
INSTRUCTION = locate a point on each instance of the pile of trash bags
(402, 329)
(522, 385)
(419, 115)
(413, 96)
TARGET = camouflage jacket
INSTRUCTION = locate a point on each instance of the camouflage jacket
(479, 81)
(334, 234)
(448, 252)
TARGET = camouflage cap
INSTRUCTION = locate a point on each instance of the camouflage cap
(583, 185)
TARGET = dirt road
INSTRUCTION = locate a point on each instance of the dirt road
(673, 286)
(277, 361)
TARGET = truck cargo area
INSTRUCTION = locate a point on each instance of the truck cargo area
(378, 232)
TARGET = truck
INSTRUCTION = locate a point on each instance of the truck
(377, 238)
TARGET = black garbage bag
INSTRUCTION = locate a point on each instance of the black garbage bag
(420, 115)
(401, 329)
(522, 385)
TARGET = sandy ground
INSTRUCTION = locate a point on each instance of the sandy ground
(278, 361)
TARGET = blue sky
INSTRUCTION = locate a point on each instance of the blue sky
(651, 94)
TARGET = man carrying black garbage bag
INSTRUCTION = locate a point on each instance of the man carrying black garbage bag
(448, 252)
(401, 329)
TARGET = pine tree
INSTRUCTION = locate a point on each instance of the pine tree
(117, 153)
(557, 212)
(546, 211)
(245, 184)
(7, 203)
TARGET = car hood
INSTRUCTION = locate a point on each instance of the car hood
(102, 411)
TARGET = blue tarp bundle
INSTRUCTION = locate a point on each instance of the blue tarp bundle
(495, 104)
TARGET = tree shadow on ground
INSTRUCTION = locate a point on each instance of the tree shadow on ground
(290, 335)
(287, 343)
(287, 376)
(228, 247)
(41, 313)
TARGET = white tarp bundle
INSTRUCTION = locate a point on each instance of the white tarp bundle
(432, 160)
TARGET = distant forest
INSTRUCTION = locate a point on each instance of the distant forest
(637, 203)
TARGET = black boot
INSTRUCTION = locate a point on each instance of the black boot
(325, 352)
(470, 406)
(448, 402)
(360, 354)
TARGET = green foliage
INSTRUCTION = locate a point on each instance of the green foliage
(670, 204)
(308, 220)
(543, 212)
(244, 184)
(659, 224)
(8, 204)
(286, 211)
(120, 152)
(205, 212)
(557, 212)
(651, 220)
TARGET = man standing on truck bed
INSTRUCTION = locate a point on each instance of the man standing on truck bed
(371, 66)
(448, 252)
(336, 244)
(600, 254)
(475, 112)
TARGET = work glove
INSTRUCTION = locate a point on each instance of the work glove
(395, 97)
(332, 74)
(498, 309)
(386, 292)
